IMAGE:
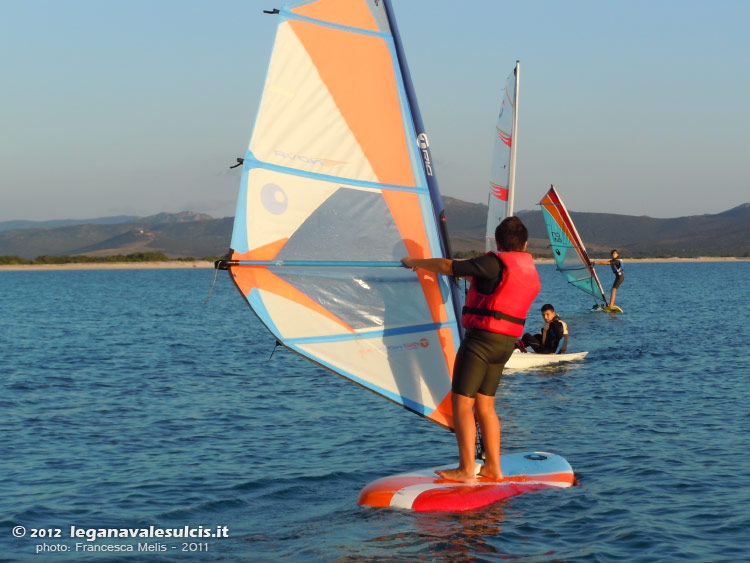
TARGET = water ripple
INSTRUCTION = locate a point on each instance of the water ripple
(127, 402)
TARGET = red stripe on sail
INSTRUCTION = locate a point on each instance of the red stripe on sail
(499, 192)
(507, 139)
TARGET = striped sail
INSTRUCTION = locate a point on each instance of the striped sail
(502, 175)
(567, 247)
(335, 190)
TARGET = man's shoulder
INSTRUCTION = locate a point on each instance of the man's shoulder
(491, 258)
(485, 266)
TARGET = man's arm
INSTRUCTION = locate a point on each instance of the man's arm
(437, 265)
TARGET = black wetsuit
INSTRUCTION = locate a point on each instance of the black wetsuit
(552, 339)
(616, 265)
(482, 355)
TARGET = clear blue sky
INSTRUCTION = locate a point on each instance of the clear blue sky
(134, 107)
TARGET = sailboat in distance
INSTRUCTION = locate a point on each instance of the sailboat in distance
(337, 186)
(501, 200)
(503, 173)
(569, 252)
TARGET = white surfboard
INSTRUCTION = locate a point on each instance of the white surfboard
(424, 491)
(529, 360)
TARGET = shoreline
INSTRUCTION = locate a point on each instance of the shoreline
(174, 265)
(171, 265)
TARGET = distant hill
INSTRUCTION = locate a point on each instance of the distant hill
(189, 234)
(721, 234)
(13, 225)
(178, 235)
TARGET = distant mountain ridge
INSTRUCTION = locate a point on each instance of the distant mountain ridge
(720, 234)
(196, 235)
(53, 224)
(178, 235)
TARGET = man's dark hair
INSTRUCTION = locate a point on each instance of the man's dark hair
(547, 307)
(511, 234)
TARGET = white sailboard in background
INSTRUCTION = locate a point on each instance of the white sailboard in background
(337, 186)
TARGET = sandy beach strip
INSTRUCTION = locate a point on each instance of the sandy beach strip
(170, 265)
(180, 264)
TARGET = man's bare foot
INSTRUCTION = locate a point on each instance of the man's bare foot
(457, 475)
(489, 474)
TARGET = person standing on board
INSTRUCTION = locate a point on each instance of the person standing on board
(503, 286)
(548, 341)
(616, 264)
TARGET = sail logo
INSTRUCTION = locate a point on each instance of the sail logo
(504, 137)
(274, 198)
(499, 192)
(307, 159)
(410, 346)
(424, 148)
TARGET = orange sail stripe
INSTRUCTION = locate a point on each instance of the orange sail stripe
(555, 212)
(407, 214)
(405, 209)
(358, 72)
(343, 12)
(449, 348)
(266, 252)
(443, 414)
(251, 277)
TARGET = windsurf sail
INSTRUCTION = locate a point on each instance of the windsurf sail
(337, 186)
(567, 247)
(503, 174)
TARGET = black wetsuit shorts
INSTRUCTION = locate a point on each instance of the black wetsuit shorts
(480, 362)
(618, 281)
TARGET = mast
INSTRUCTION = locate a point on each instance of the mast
(424, 151)
(424, 146)
(514, 143)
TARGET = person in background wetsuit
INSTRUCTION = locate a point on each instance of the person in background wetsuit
(616, 264)
(548, 341)
(503, 286)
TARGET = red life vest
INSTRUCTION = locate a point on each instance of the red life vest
(504, 310)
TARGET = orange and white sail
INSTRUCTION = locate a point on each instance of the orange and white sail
(337, 187)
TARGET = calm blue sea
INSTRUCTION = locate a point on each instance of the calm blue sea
(127, 402)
